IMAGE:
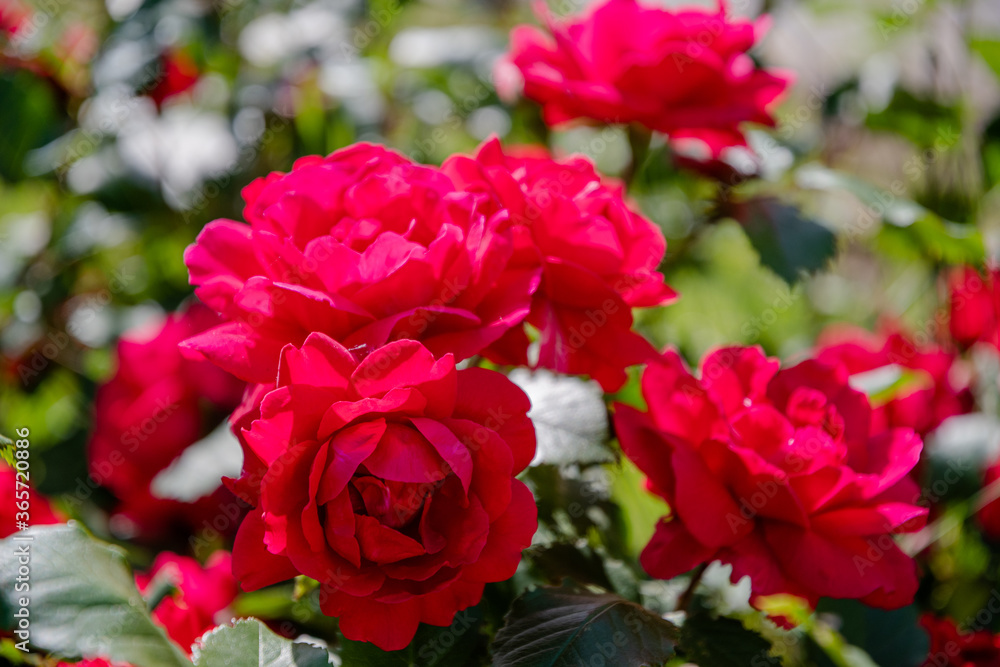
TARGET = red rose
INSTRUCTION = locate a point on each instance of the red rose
(179, 73)
(39, 512)
(952, 648)
(598, 258)
(389, 481)
(197, 594)
(366, 247)
(684, 73)
(988, 516)
(778, 474)
(157, 404)
(932, 389)
(975, 306)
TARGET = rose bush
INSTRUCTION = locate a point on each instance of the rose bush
(778, 473)
(682, 72)
(389, 480)
(598, 259)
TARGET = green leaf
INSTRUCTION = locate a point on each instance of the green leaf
(250, 642)
(568, 626)
(30, 109)
(988, 50)
(569, 415)
(787, 243)
(930, 236)
(892, 638)
(83, 599)
(431, 646)
(921, 120)
(723, 642)
(912, 230)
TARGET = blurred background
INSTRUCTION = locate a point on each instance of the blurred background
(126, 125)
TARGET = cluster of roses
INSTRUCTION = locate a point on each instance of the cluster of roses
(354, 303)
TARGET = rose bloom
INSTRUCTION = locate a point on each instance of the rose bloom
(933, 386)
(390, 481)
(40, 510)
(179, 74)
(988, 516)
(974, 307)
(778, 473)
(952, 648)
(200, 596)
(684, 73)
(158, 403)
(598, 258)
(364, 246)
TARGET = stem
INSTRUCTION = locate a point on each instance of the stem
(687, 597)
(639, 139)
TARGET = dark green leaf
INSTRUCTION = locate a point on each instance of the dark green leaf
(568, 626)
(250, 642)
(83, 599)
(30, 115)
(787, 243)
(892, 638)
(723, 642)
(921, 120)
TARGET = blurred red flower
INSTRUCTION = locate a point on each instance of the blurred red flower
(40, 510)
(158, 403)
(179, 73)
(932, 382)
(194, 595)
(974, 307)
(952, 648)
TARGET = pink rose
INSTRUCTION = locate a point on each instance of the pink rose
(776, 473)
(157, 404)
(364, 246)
(390, 481)
(988, 516)
(39, 510)
(196, 595)
(934, 388)
(598, 258)
(685, 73)
(974, 307)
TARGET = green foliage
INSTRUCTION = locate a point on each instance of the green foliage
(568, 626)
(249, 642)
(83, 599)
(723, 642)
(789, 244)
(892, 638)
